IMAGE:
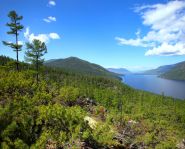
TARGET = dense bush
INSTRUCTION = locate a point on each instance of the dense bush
(50, 113)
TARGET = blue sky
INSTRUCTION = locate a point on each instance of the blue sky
(134, 34)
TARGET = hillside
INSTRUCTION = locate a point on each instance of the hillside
(158, 71)
(79, 66)
(173, 72)
(121, 71)
(72, 110)
(4, 60)
(176, 73)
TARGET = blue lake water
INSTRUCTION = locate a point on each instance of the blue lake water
(157, 85)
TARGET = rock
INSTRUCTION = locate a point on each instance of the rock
(181, 145)
(90, 101)
(133, 146)
(51, 144)
(84, 102)
(92, 123)
(132, 122)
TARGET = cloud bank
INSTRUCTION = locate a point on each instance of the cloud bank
(42, 37)
(167, 29)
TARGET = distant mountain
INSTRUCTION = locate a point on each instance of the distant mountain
(160, 70)
(173, 72)
(121, 71)
(81, 66)
(176, 73)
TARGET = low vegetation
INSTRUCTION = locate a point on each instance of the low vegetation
(55, 111)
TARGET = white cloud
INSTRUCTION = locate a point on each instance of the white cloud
(132, 42)
(50, 19)
(162, 15)
(54, 36)
(32, 36)
(47, 20)
(52, 3)
(167, 32)
(138, 33)
(42, 37)
(167, 50)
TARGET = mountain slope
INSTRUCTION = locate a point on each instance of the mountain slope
(121, 71)
(160, 70)
(176, 73)
(77, 65)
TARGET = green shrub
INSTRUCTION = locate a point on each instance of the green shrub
(69, 94)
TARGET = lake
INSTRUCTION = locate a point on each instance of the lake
(157, 85)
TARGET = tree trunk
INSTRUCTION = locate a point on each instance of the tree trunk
(37, 77)
(17, 50)
(17, 62)
(37, 65)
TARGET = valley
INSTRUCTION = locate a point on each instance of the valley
(96, 74)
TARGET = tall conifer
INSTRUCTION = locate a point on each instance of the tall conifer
(15, 28)
(35, 51)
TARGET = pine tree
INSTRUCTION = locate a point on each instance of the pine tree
(15, 28)
(35, 51)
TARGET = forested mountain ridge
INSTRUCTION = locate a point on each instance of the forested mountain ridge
(160, 70)
(77, 65)
(173, 72)
(176, 73)
(58, 112)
